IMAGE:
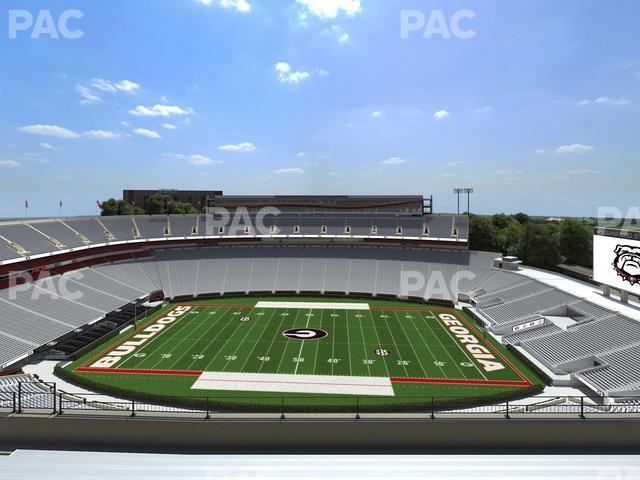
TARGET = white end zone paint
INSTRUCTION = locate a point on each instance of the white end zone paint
(314, 305)
(269, 382)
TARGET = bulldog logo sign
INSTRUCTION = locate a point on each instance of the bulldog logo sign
(627, 263)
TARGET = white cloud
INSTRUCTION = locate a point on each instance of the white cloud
(238, 5)
(288, 171)
(579, 172)
(376, 114)
(485, 109)
(122, 86)
(456, 164)
(102, 134)
(239, 147)
(8, 164)
(88, 97)
(197, 160)
(47, 146)
(337, 33)
(330, 8)
(169, 126)
(49, 130)
(608, 101)
(301, 154)
(65, 177)
(127, 86)
(540, 151)
(35, 157)
(576, 148)
(286, 75)
(506, 173)
(125, 124)
(393, 161)
(441, 115)
(160, 111)
(145, 132)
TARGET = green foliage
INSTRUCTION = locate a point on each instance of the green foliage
(576, 242)
(118, 207)
(482, 234)
(539, 247)
(522, 218)
(154, 205)
(163, 204)
(538, 242)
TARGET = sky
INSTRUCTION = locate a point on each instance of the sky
(533, 104)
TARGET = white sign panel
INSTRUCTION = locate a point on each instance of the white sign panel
(616, 260)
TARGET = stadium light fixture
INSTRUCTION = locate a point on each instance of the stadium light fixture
(467, 192)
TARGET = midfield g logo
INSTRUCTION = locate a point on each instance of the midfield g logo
(305, 334)
(627, 263)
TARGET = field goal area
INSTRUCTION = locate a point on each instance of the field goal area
(308, 347)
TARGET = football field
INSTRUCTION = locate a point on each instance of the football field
(295, 347)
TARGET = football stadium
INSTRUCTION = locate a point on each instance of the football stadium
(294, 305)
(307, 230)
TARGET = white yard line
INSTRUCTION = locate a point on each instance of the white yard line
(364, 346)
(469, 359)
(266, 325)
(241, 344)
(375, 329)
(426, 343)
(287, 343)
(406, 372)
(424, 370)
(197, 325)
(302, 345)
(346, 325)
(223, 345)
(146, 345)
(272, 342)
(200, 337)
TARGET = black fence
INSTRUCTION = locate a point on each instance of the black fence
(38, 397)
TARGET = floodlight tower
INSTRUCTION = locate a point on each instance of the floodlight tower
(468, 192)
(458, 191)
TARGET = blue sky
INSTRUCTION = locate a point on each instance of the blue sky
(539, 111)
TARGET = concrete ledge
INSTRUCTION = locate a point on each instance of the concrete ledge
(321, 436)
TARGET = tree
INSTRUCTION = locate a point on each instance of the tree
(576, 242)
(118, 207)
(501, 221)
(522, 218)
(539, 247)
(510, 238)
(482, 234)
(156, 204)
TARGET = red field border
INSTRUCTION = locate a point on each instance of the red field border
(196, 373)
(524, 382)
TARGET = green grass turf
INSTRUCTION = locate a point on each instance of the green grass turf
(214, 338)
